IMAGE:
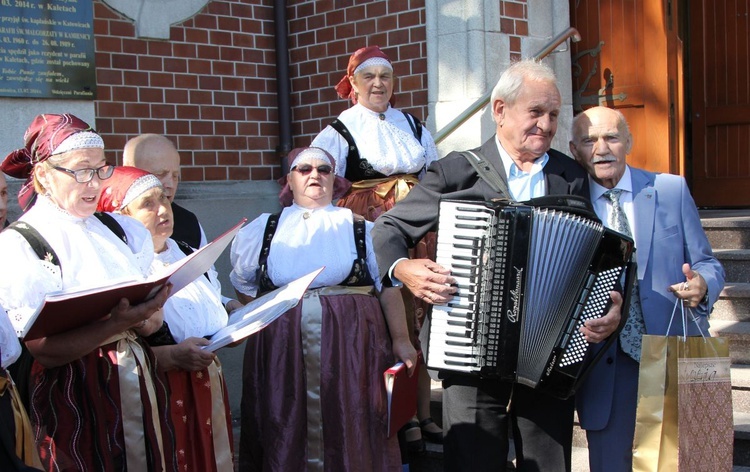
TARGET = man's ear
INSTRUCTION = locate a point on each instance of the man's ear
(498, 111)
(573, 150)
(629, 144)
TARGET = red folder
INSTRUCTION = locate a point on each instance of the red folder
(64, 311)
(401, 392)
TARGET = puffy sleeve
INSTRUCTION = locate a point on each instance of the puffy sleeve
(10, 348)
(244, 256)
(332, 141)
(25, 278)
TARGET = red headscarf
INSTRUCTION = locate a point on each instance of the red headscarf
(344, 87)
(340, 184)
(126, 184)
(42, 137)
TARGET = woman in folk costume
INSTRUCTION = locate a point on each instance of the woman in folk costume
(197, 392)
(313, 394)
(97, 402)
(384, 152)
(17, 447)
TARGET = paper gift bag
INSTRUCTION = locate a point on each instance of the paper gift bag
(684, 413)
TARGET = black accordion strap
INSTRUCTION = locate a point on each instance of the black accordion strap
(487, 172)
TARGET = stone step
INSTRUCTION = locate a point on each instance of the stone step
(740, 388)
(733, 303)
(728, 230)
(738, 334)
(736, 263)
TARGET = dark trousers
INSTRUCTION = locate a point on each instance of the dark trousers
(477, 415)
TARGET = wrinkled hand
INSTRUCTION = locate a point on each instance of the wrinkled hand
(426, 279)
(599, 329)
(188, 354)
(135, 316)
(405, 352)
(693, 289)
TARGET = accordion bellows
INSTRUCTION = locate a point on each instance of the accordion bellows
(528, 276)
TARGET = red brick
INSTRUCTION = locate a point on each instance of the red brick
(188, 81)
(150, 63)
(132, 46)
(227, 158)
(184, 50)
(200, 97)
(151, 95)
(125, 94)
(231, 83)
(178, 127)
(261, 173)
(522, 28)
(216, 173)
(243, 40)
(202, 127)
(222, 68)
(103, 92)
(192, 174)
(108, 44)
(187, 112)
(236, 143)
(109, 76)
(121, 28)
(515, 44)
(398, 37)
(243, 69)
(248, 25)
(239, 173)
(377, 9)
(225, 128)
(152, 126)
(164, 111)
(225, 98)
(137, 110)
(110, 109)
(208, 82)
(103, 61)
(176, 96)
(204, 158)
(205, 21)
(514, 10)
(220, 38)
(211, 113)
(175, 65)
(199, 66)
(102, 10)
(125, 126)
(231, 54)
(124, 61)
(234, 113)
(221, 9)
(188, 142)
(160, 48)
(194, 35)
(177, 34)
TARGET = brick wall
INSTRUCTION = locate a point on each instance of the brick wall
(211, 87)
(322, 36)
(514, 22)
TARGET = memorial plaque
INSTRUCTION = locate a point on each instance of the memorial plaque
(47, 49)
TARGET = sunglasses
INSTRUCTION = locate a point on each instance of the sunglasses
(306, 169)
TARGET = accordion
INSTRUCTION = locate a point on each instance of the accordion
(528, 275)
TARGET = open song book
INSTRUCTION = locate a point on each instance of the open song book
(66, 310)
(259, 313)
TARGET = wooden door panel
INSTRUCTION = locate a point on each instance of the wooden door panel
(621, 62)
(720, 100)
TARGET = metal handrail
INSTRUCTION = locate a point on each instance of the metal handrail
(571, 33)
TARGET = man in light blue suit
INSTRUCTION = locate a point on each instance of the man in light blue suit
(674, 260)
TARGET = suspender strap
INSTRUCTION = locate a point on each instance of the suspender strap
(37, 242)
(111, 223)
(415, 124)
(352, 159)
(487, 172)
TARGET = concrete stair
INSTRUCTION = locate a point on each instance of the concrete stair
(729, 235)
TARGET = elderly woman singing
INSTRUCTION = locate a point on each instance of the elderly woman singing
(313, 396)
(97, 402)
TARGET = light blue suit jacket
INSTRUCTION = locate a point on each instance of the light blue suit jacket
(668, 233)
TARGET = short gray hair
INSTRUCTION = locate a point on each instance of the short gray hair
(509, 85)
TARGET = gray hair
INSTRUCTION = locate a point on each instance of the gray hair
(509, 85)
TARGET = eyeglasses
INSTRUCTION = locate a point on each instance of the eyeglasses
(305, 169)
(83, 176)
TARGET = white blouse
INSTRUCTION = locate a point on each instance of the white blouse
(305, 240)
(89, 253)
(10, 348)
(196, 310)
(388, 145)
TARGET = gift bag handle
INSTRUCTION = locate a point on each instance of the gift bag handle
(683, 315)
